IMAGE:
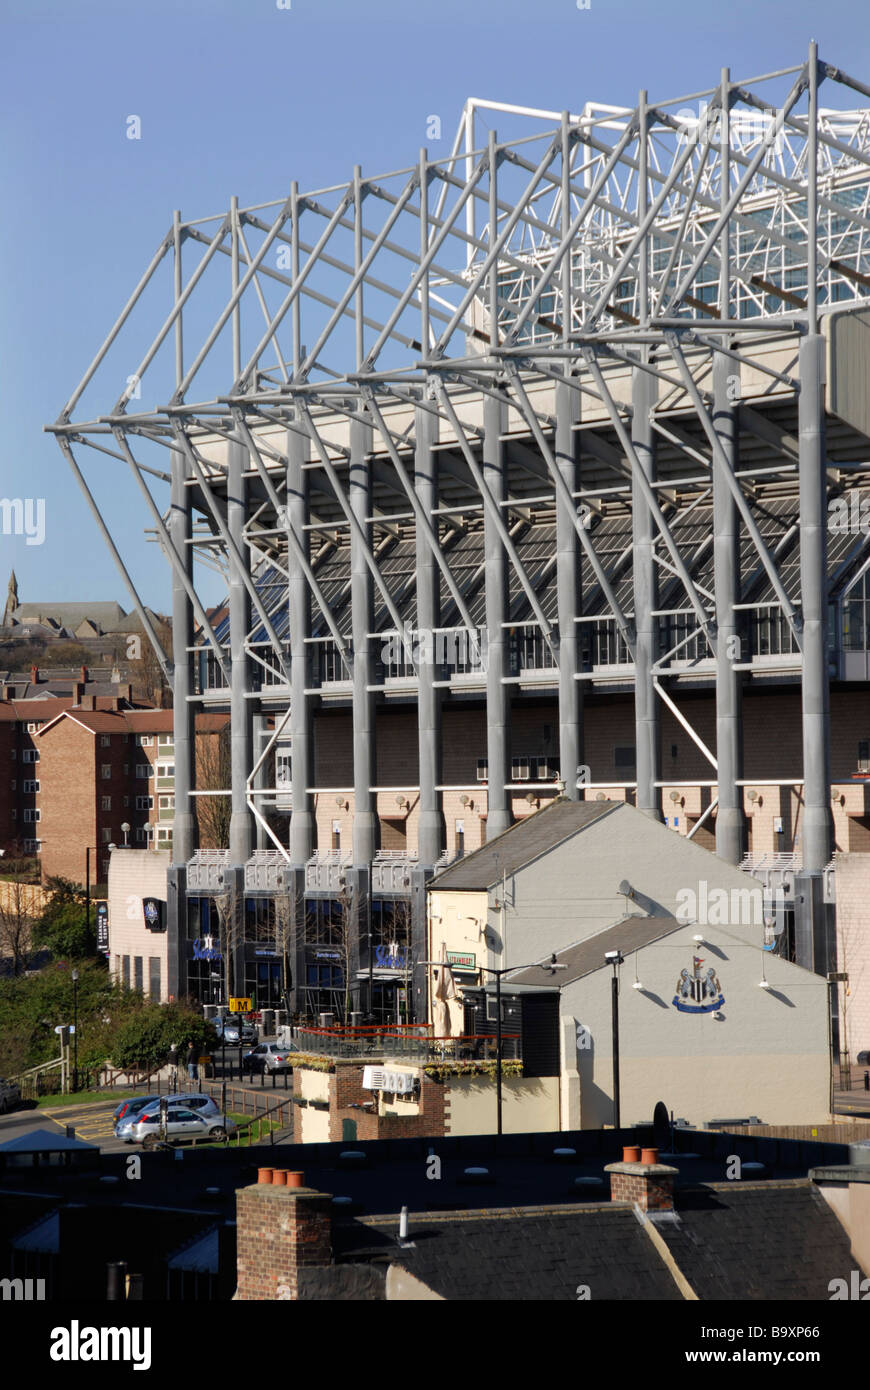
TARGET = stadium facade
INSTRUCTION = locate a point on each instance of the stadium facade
(540, 466)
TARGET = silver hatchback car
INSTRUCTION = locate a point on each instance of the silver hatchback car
(181, 1124)
(199, 1104)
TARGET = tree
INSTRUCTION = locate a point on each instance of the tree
(214, 774)
(146, 674)
(229, 905)
(144, 1039)
(63, 928)
(16, 924)
(284, 918)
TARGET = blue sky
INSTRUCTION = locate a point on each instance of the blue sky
(239, 96)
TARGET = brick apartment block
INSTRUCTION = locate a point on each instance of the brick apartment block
(100, 765)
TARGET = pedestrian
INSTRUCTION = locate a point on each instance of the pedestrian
(192, 1063)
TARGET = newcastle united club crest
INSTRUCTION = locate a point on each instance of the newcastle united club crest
(700, 992)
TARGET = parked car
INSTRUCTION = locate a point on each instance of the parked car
(238, 1030)
(132, 1106)
(199, 1104)
(268, 1057)
(10, 1095)
(181, 1123)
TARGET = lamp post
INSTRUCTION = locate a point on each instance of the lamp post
(75, 984)
(615, 959)
(125, 826)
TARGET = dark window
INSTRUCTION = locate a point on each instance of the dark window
(125, 970)
(154, 976)
(137, 972)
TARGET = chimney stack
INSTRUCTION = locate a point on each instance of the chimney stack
(647, 1184)
(282, 1230)
(83, 675)
(88, 702)
(34, 675)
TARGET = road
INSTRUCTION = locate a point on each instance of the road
(93, 1119)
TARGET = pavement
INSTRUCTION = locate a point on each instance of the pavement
(855, 1101)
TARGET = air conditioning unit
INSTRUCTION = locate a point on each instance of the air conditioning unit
(398, 1083)
(482, 770)
(520, 769)
(546, 770)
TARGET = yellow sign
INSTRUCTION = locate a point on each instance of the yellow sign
(241, 1006)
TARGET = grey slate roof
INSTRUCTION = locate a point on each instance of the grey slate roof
(69, 615)
(541, 1254)
(586, 956)
(522, 843)
(765, 1241)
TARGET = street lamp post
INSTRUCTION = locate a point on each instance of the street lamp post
(615, 959)
(75, 983)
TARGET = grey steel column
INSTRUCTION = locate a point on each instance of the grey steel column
(302, 822)
(261, 778)
(497, 598)
(730, 819)
(241, 714)
(241, 709)
(646, 708)
(365, 817)
(184, 831)
(568, 598)
(817, 836)
(431, 834)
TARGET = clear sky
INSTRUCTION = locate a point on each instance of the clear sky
(240, 97)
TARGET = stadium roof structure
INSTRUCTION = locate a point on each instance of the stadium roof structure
(598, 383)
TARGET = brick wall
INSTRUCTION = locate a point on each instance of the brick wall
(609, 723)
(346, 1095)
(649, 1187)
(280, 1232)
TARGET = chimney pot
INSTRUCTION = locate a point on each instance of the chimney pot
(631, 1153)
(279, 1177)
(295, 1179)
(649, 1156)
(264, 1175)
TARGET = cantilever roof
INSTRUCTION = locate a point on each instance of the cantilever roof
(522, 843)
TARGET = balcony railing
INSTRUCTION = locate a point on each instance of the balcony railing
(326, 870)
(205, 870)
(412, 1043)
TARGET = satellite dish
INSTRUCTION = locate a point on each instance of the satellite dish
(625, 889)
(661, 1127)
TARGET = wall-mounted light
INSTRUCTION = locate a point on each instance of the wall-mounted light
(675, 796)
(752, 796)
(465, 800)
(403, 803)
(698, 937)
(531, 798)
(341, 803)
